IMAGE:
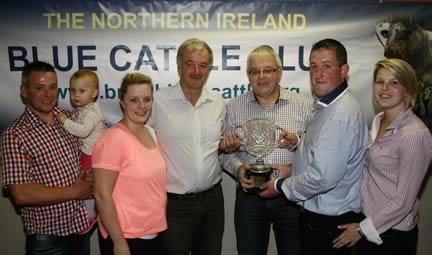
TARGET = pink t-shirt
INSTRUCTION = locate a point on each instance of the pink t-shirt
(140, 191)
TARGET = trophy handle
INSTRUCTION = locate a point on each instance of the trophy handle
(277, 136)
(277, 142)
(241, 134)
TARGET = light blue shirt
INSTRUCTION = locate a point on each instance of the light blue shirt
(329, 158)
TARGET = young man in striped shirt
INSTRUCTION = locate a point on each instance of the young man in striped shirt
(329, 158)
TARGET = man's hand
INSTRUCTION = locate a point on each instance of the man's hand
(349, 237)
(268, 190)
(82, 188)
(284, 170)
(229, 143)
(88, 175)
(287, 140)
(244, 181)
(62, 117)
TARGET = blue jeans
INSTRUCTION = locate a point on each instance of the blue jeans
(58, 245)
(253, 217)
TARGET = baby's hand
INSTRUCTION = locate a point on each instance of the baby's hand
(62, 117)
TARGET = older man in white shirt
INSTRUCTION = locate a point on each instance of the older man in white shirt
(188, 119)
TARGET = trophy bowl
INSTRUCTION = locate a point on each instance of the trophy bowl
(258, 139)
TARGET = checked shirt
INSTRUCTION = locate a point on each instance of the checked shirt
(36, 152)
(291, 112)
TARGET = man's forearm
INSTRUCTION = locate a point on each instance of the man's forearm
(34, 194)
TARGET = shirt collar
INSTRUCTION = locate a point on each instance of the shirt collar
(177, 94)
(325, 101)
(398, 123)
(34, 119)
(283, 96)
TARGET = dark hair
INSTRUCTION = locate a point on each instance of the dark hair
(332, 44)
(133, 79)
(36, 66)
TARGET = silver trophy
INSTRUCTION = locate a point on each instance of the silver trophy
(258, 138)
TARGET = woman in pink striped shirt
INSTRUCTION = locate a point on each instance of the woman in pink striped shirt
(396, 161)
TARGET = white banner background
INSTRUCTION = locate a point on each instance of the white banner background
(68, 29)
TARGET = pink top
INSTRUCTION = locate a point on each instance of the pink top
(139, 193)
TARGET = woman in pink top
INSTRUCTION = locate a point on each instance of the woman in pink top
(396, 161)
(130, 176)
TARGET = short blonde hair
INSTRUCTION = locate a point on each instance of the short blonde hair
(404, 73)
(85, 73)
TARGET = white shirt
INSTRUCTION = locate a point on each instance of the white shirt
(189, 137)
(88, 126)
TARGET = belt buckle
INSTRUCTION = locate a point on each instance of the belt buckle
(191, 195)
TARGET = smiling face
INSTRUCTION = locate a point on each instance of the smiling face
(83, 91)
(137, 103)
(194, 68)
(326, 73)
(264, 76)
(41, 93)
(389, 93)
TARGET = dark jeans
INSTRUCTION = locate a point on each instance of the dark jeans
(195, 224)
(58, 245)
(137, 246)
(318, 232)
(395, 242)
(253, 218)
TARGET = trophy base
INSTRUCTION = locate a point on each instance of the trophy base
(259, 174)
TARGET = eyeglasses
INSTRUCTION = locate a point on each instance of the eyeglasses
(265, 71)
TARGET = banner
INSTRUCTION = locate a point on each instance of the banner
(117, 37)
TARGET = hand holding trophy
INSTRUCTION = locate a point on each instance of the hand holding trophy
(259, 139)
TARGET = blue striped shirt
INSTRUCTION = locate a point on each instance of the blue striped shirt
(329, 158)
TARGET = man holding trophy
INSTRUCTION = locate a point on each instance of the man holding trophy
(329, 158)
(256, 116)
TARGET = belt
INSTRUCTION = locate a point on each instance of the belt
(321, 221)
(192, 195)
(327, 217)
